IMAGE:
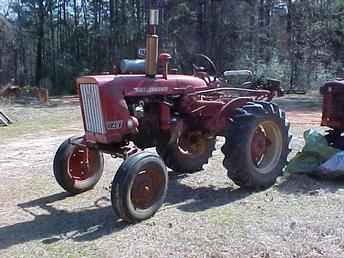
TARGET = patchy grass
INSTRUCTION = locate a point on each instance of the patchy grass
(204, 215)
(38, 119)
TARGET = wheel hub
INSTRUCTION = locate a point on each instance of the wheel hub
(81, 163)
(259, 145)
(146, 187)
(266, 146)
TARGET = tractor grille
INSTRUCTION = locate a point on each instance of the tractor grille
(92, 109)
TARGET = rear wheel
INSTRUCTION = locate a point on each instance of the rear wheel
(188, 153)
(257, 145)
(139, 187)
(77, 169)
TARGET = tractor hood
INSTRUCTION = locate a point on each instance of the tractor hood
(137, 85)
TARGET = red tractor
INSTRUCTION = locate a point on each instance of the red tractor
(333, 112)
(179, 115)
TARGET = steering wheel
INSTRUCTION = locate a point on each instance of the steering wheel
(208, 72)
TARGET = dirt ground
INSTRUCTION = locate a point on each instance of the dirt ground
(205, 214)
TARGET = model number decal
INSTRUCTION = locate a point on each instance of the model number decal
(113, 125)
(151, 89)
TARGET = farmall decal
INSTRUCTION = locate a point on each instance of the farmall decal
(114, 125)
(151, 90)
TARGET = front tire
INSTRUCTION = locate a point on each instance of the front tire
(77, 169)
(139, 187)
(257, 145)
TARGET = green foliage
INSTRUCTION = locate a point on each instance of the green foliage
(340, 3)
(60, 40)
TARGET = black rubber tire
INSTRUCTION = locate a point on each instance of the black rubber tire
(237, 147)
(180, 162)
(62, 176)
(122, 186)
(335, 139)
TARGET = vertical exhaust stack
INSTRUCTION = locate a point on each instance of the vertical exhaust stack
(152, 44)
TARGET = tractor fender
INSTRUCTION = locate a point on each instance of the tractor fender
(228, 110)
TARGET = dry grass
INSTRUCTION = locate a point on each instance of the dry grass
(37, 118)
(205, 214)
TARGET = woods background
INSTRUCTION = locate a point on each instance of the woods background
(48, 43)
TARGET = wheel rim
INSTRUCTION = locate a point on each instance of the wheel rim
(193, 144)
(147, 188)
(82, 163)
(266, 146)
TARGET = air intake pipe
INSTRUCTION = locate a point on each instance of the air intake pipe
(152, 44)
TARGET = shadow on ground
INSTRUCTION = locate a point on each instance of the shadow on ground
(99, 220)
(58, 224)
(189, 199)
(309, 185)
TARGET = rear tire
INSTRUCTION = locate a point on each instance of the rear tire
(139, 187)
(184, 161)
(70, 170)
(257, 145)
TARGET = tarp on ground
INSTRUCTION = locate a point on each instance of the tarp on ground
(315, 152)
(334, 167)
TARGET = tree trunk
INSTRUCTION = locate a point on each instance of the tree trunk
(40, 44)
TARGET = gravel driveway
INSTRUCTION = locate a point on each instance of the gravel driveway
(205, 214)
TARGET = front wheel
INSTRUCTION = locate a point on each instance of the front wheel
(257, 145)
(77, 168)
(139, 187)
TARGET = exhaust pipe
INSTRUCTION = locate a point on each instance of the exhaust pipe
(152, 44)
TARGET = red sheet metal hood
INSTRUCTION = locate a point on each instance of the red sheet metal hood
(143, 85)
